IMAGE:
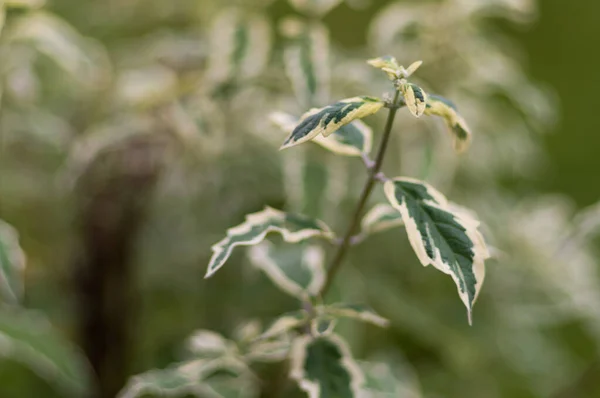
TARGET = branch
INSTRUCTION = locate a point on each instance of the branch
(374, 176)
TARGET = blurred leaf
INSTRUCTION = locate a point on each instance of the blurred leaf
(285, 323)
(82, 58)
(353, 311)
(314, 7)
(324, 368)
(327, 120)
(306, 60)
(293, 227)
(440, 106)
(196, 377)
(27, 337)
(384, 380)
(12, 264)
(449, 241)
(240, 44)
(380, 218)
(209, 344)
(298, 270)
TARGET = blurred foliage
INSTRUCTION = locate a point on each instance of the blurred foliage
(82, 79)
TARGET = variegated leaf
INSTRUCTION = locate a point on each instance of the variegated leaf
(449, 241)
(208, 344)
(324, 368)
(353, 139)
(293, 228)
(240, 43)
(392, 68)
(380, 218)
(82, 58)
(298, 270)
(285, 323)
(327, 120)
(354, 311)
(440, 106)
(414, 97)
(193, 377)
(269, 350)
(322, 325)
(12, 264)
(387, 64)
(314, 7)
(28, 337)
(306, 60)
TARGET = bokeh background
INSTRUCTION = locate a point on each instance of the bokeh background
(128, 146)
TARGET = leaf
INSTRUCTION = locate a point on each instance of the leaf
(27, 337)
(450, 241)
(306, 60)
(414, 97)
(324, 367)
(268, 350)
(325, 121)
(293, 227)
(440, 106)
(314, 7)
(380, 218)
(12, 264)
(392, 68)
(285, 323)
(353, 139)
(240, 44)
(82, 58)
(388, 64)
(209, 344)
(298, 270)
(355, 311)
(190, 377)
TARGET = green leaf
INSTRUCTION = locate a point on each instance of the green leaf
(380, 218)
(440, 106)
(327, 120)
(240, 44)
(354, 311)
(414, 97)
(28, 337)
(324, 368)
(298, 270)
(194, 377)
(353, 139)
(440, 236)
(314, 7)
(306, 60)
(12, 264)
(293, 228)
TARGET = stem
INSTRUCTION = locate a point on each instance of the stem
(364, 197)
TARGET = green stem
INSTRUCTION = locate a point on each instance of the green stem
(339, 256)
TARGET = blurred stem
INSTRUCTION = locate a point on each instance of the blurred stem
(364, 198)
